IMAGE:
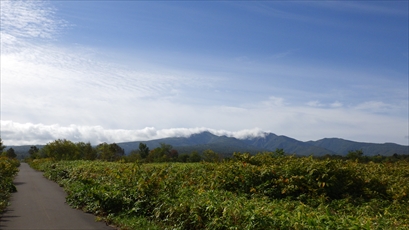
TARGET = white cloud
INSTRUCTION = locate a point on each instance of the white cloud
(377, 107)
(336, 104)
(315, 104)
(14, 133)
(241, 134)
(28, 19)
(274, 102)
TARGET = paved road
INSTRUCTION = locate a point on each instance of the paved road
(40, 204)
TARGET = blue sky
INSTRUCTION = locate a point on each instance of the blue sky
(135, 70)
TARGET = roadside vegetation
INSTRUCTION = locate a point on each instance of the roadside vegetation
(269, 190)
(8, 169)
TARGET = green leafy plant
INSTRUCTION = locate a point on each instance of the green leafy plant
(265, 191)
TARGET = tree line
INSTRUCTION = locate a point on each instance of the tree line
(63, 149)
(359, 155)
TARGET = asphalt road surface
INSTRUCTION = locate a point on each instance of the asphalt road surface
(40, 204)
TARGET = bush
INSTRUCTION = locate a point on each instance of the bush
(8, 169)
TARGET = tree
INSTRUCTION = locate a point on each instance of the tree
(210, 156)
(356, 154)
(33, 152)
(162, 153)
(183, 158)
(10, 153)
(143, 150)
(117, 150)
(110, 152)
(2, 147)
(168, 152)
(86, 151)
(103, 152)
(134, 156)
(173, 154)
(279, 152)
(61, 150)
(194, 157)
(165, 148)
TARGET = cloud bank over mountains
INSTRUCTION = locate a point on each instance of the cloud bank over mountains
(31, 134)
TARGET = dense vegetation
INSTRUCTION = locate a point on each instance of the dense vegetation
(8, 169)
(265, 191)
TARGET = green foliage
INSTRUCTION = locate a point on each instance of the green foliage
(8, 169)
(110, 152)
(163, 153)
(67, 150)
(33, 152)
(86, 151)
(356, 154)
(143, 150)
(210, 156)
(134, 156)
(10, 153)
(265, 191)
(156, 155)
(61, 150)
(194, 157)
(189, 158)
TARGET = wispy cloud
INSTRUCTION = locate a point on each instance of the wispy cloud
(336, 104)
(378, 107)
(315, 103)
(72, 85)
(75, 84)
(274, 101)
(28, 19)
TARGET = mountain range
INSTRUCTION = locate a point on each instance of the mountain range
(227, 145)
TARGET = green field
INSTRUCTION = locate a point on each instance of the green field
(257, 192)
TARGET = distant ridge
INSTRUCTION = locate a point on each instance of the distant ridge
(270, 142)
(198, 142)
(341, 147)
